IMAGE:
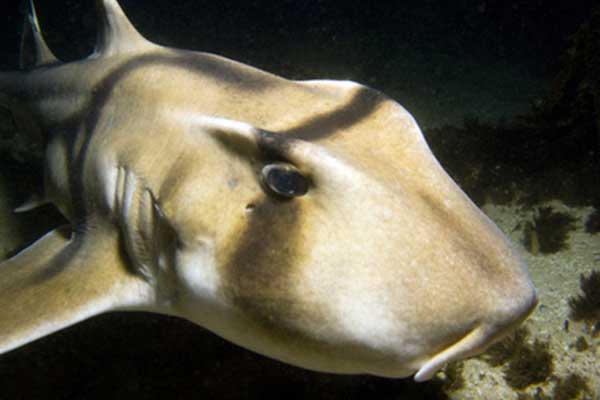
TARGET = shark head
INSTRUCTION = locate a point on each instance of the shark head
(338, 254)
(305, 220)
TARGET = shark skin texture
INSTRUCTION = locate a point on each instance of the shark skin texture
(307, 221)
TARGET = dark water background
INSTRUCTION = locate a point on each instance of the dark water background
(446, 59)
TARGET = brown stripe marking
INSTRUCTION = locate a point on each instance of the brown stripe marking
(259, 276)
(362, 104)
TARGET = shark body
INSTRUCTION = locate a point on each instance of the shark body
(305, 220)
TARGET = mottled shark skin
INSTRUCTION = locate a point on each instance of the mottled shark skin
(305, 220)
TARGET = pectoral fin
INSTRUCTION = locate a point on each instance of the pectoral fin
(62, 279)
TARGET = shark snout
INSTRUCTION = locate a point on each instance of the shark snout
(483, 335)
(514, 306)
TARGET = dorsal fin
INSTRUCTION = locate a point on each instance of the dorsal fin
(115, 33)
(34, 50)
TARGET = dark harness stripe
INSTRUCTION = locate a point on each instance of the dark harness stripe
(362, 104)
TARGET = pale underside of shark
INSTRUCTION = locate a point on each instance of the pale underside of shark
(304, 220)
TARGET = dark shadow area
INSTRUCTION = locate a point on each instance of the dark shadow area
(553, 152)
(21, 178)
(145, 356)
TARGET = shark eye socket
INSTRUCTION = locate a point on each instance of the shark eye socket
(284, 180)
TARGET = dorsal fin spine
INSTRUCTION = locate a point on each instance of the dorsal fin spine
(34, 50)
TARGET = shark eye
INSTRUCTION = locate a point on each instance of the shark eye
(284, 180)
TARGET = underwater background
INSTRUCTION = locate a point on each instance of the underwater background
(508, 96)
